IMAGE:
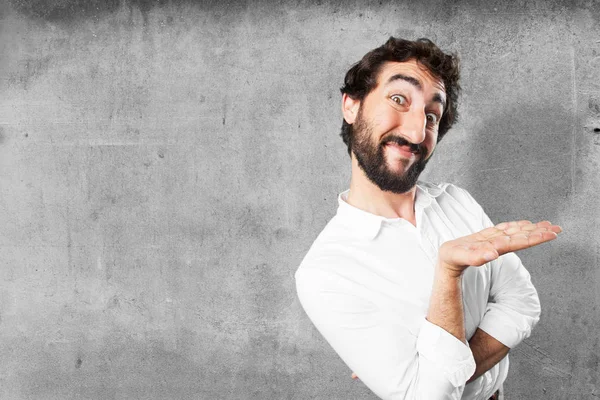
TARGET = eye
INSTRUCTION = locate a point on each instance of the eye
(398, 99)
(432, 119)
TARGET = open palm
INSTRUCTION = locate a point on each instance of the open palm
(490, 243)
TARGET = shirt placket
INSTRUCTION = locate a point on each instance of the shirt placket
(428, 241)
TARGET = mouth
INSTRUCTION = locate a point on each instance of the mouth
(403, 148)
(401, 151)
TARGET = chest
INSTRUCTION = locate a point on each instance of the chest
(401, 266)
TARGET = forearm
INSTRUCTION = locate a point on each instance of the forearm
(487, 352)
(445, 303)
(445, 320)
(386, 355)
(446, 311)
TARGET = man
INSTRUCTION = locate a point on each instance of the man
(411, 284)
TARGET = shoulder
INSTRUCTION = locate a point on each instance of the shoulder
(330, 248)
(333, 257)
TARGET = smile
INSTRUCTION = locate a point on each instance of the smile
(401, 150)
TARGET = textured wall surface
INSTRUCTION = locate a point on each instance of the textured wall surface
(165, 165)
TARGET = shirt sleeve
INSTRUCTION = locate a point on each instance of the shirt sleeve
(513, 308)
(514, 305)
(389, 359)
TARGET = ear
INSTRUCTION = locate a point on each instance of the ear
(350, 108)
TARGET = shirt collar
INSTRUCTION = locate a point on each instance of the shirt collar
(368, 225)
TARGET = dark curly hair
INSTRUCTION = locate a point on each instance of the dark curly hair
(361, 79)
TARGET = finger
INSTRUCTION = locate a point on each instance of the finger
(354, 376)
(535, 228)
(550, 226)
(539, 237)
(522, 240)
(509, 224)
(555, 228)
(520, 228)
(509, 228)
(528, 227)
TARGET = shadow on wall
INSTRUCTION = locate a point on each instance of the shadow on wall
(525, 166)
(522, 163)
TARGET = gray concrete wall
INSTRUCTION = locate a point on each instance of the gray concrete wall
(164, 167)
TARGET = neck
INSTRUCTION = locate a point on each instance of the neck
(366, 196)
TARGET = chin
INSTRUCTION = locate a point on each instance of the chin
(399, 166)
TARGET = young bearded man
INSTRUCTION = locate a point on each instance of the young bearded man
(410, 282)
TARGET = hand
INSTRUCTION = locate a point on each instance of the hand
(489, 244)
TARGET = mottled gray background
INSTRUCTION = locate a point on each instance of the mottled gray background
(165, 165)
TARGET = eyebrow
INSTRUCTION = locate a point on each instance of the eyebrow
(416, 83)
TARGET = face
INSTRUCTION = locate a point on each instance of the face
(395, 126)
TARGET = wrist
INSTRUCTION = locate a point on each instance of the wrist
(448, 271)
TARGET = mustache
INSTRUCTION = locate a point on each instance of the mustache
(400, 141)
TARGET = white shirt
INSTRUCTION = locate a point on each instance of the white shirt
(366, 281)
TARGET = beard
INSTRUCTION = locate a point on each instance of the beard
(371, 158)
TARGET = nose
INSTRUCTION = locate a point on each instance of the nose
(413, 123)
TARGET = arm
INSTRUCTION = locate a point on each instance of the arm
(511, 314)
(487, 352)
(392, 359)
(513, 298)
(457, 255)
(514, 306)
(446, 310)
(445, 303)
(512, 311)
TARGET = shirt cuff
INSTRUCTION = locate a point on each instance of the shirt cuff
(448, 354)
